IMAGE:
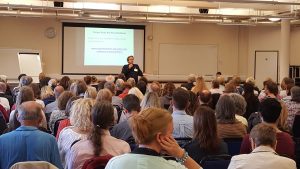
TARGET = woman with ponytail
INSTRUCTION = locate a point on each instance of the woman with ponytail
(152, 129)
(99, 141)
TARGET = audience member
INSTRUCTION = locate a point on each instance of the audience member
(126, 87)
(200, 85)
(286, 85)
(88, 80)
(205, 138)
(221, 81)
(60, 113)
(183, 123)
(155, 86)
(106, 95)
(251, 99)
(27, 143)
(150, 100)
(80, 88)
(80, 119)
(142, 86)
(152, 130)
(119, 86)
(47, 95)
(99, 142)
(65, 82)
(193, 103)
(190, 82)
(37, 94)
(270, 110)
(131, 108)
(90, 92)
(116, 101)
(228, 126)
(293, 106)
(205, 97)
(66, 122)
(3, 94)
(240, 107)
(165, 99)
(215, 87)
(263, 155)
(53, 106)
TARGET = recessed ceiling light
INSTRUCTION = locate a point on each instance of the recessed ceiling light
(274, 19)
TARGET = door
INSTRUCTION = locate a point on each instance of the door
(266, 66)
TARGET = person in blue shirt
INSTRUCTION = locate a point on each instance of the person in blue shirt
(131, 69)
(27, 143)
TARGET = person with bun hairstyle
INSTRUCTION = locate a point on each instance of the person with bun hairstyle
(99, 141)
(152, 129)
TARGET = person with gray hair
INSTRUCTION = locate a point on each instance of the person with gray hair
(263, 142)
(293, 106)
(228, 126)
(28, 143)
(240, 107)
(23, 81)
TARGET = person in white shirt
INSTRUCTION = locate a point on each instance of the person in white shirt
(263, 142)
(215, 87)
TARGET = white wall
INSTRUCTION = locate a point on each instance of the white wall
(236, 44)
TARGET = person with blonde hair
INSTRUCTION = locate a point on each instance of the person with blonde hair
(81, 125)
(152, 130)
(90, 92)
(150, 100)
(47, 95)
(200, 85)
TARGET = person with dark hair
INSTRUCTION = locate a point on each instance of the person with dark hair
(263, 155)
(270, 110)
(205, 97)
(251, 99)
(131, 107)
(215, 87)
(44, 81)
(167, 92)
(183, 123)
(142, 86)
(193, 103)
(99, 141)
(65, 82)
(218, 74)
(27, 143)
(205, 138)
(131, 70)
(88, 80)
(228, 125)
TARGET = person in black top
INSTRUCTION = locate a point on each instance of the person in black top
(131, 69)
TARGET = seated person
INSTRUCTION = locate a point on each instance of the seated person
(27, 143)
(228, 126)
(205, 130)
(270, 110)
(152, 129)
(183, 123)
(263, 155)
(132, 107)
(99, 142)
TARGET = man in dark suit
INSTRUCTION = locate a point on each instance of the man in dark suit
(131, 70)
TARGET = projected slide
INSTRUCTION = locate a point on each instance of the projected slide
(107, 46)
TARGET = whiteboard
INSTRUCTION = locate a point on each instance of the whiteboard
(184, 59)
(30, 64)
(10, 63)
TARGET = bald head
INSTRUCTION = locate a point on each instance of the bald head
(29, 113)
(58, 90)
(2, 87)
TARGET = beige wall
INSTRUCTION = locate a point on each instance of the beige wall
(236, 44)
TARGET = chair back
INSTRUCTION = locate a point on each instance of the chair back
(183, 141)
(97, 162)
(234, 145)
(33, 164)
(56, 125)
(216, 161)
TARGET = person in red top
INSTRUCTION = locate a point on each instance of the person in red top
(270, 110)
